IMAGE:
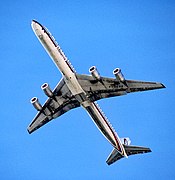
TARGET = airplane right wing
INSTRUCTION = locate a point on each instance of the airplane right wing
(61, 102)
(109, 87)
(130, 150)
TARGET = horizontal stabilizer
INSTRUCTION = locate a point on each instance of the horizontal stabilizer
(130, 150)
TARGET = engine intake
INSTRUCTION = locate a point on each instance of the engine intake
(95, 73)
(45, 87)
(118, 74)
(35, 102)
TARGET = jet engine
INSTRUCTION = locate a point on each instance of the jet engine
(45, 87)
(35, 102)
(118, 74)
(95, 73)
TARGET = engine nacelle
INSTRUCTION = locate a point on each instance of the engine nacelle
(95, 73)
(45, 87)
(118, 74)
(35, 102)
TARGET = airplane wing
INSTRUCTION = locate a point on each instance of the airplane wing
(61, 102)
(110, 87)
(130, 150)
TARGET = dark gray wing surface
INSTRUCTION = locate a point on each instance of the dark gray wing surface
(136, 86)
(110, 87)
(103, 88)
(130, 150)
(113, 157)
(61, 102)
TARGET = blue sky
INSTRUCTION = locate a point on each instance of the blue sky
(138, 37)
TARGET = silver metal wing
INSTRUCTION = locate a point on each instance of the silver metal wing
(61, 102)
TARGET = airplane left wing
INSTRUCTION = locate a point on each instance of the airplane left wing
(109, 87)
(60, 102)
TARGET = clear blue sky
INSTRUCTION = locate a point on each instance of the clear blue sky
(138, 37)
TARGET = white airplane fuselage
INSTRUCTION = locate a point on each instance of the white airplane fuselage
(75, 88)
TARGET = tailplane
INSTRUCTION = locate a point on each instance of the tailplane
(130, 150)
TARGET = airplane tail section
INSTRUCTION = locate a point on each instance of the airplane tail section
(130, 150)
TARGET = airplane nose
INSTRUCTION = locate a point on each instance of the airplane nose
(34, 23)
(36, 28)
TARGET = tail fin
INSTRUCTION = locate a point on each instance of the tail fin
(125, 141)
(130, 150)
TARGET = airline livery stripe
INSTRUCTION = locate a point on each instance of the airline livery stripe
(56, 45)
(116, 139)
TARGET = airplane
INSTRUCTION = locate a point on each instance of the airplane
(75, 90)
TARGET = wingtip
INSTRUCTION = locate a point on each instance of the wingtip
(108, 163)
(149, 150)
(29, 131)
(163, 86)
